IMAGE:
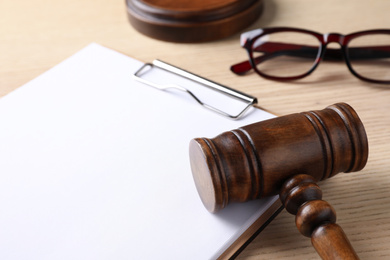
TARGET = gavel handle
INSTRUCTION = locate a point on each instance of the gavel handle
(316, 218)
(330, 242)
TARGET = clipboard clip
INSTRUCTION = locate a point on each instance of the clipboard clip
(248, 100)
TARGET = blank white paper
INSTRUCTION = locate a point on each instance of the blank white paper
(94, 165)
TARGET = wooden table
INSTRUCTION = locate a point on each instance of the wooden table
(36, 35)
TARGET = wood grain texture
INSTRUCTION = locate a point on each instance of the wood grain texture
(36, 35)
(190, 5)
(192, 21)
(286, 155)
(316, 218)
(255, 160)
(331, 243)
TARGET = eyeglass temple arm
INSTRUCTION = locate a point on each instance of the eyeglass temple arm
(359, 53)
(272, 49)
(371, 52)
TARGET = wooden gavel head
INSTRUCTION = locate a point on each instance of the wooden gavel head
(254, 161)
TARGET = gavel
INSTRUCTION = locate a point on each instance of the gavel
(286, 155)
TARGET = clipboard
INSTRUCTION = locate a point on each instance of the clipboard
(95, 166)
(248, 101)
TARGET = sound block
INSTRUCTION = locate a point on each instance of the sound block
(192, 20)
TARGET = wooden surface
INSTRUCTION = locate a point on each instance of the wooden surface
(36, 35)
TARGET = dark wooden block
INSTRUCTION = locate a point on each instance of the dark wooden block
(192, 20)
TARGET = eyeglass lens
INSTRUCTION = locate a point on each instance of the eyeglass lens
(293, 55)
(285, 54)
(369, 56)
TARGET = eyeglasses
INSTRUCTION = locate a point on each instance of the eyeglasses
(288, 53)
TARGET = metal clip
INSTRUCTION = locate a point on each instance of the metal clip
(247, 99)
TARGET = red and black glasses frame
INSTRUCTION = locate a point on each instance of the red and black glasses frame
(320, 52)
